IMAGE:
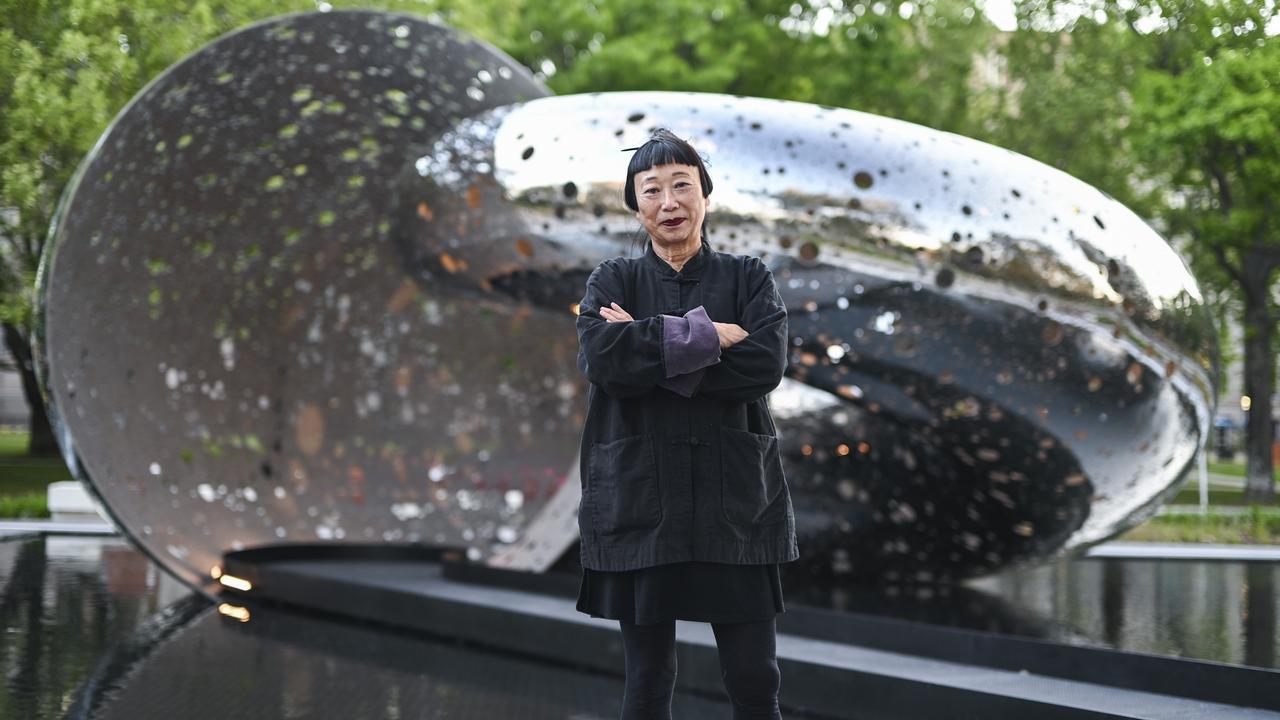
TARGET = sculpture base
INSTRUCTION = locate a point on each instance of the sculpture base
(833, 664)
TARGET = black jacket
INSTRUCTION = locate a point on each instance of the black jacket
(679, 464)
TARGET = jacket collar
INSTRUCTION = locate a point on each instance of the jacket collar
(691, 268)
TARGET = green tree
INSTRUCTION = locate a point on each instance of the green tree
(910, 60)
(1170, 106)
(1206, 116)
(1064, 99)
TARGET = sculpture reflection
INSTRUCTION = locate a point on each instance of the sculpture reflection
(341, 253)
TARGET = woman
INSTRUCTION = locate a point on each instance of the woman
(685, 510)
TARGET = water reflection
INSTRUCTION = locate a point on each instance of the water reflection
(65, 603)
(1222, 611)
(1260, 615)
(284, 664)
(94, 630)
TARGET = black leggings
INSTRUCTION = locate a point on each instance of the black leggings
(748, 665)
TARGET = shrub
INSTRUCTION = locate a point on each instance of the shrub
(27, 505)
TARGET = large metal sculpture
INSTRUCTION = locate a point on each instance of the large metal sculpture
(317, 282)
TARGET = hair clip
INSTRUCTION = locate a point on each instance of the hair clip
(628, 149)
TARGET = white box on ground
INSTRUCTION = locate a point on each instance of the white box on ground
(70, 502)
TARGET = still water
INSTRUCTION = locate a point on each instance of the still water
(92, 629)
(1221, 611)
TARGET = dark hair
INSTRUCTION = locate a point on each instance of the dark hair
(664, 147)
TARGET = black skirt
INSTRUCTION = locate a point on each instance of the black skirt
(701, 591)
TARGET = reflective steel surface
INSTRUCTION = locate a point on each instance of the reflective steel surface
(991, 361)
(318, 281)
(232, 350)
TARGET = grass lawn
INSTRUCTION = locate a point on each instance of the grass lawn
(31, 505)
(24, 480)
(12, 443)
(1261, 525)
(21, 474)
(1236, 469)
(1218, 495)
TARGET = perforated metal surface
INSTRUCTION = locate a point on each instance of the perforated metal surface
(318, 280)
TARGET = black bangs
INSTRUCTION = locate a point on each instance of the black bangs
(663, 148)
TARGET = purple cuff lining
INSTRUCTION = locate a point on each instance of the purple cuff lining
(689, 343)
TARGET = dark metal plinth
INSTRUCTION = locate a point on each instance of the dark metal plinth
(833, 664)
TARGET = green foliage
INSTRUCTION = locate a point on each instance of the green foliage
(1211, 129)
(1171, 107)
(1206, 111)
(1063, 100)
(13, 444)
(1175, 117)
(22, 473)
(911, 60)
(1232, 468)
(29, 505)
(31, 474)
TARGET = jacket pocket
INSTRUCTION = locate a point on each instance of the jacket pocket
(752, 486)
(623, 485)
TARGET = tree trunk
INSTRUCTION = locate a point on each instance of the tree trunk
(41, 441)
(1259, 383)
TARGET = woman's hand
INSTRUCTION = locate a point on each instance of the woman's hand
(615, 313)
(730, 333)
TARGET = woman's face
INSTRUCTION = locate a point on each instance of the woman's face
(671, 203)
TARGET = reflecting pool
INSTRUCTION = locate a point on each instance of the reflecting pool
(1222, 611)
(92, 629)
